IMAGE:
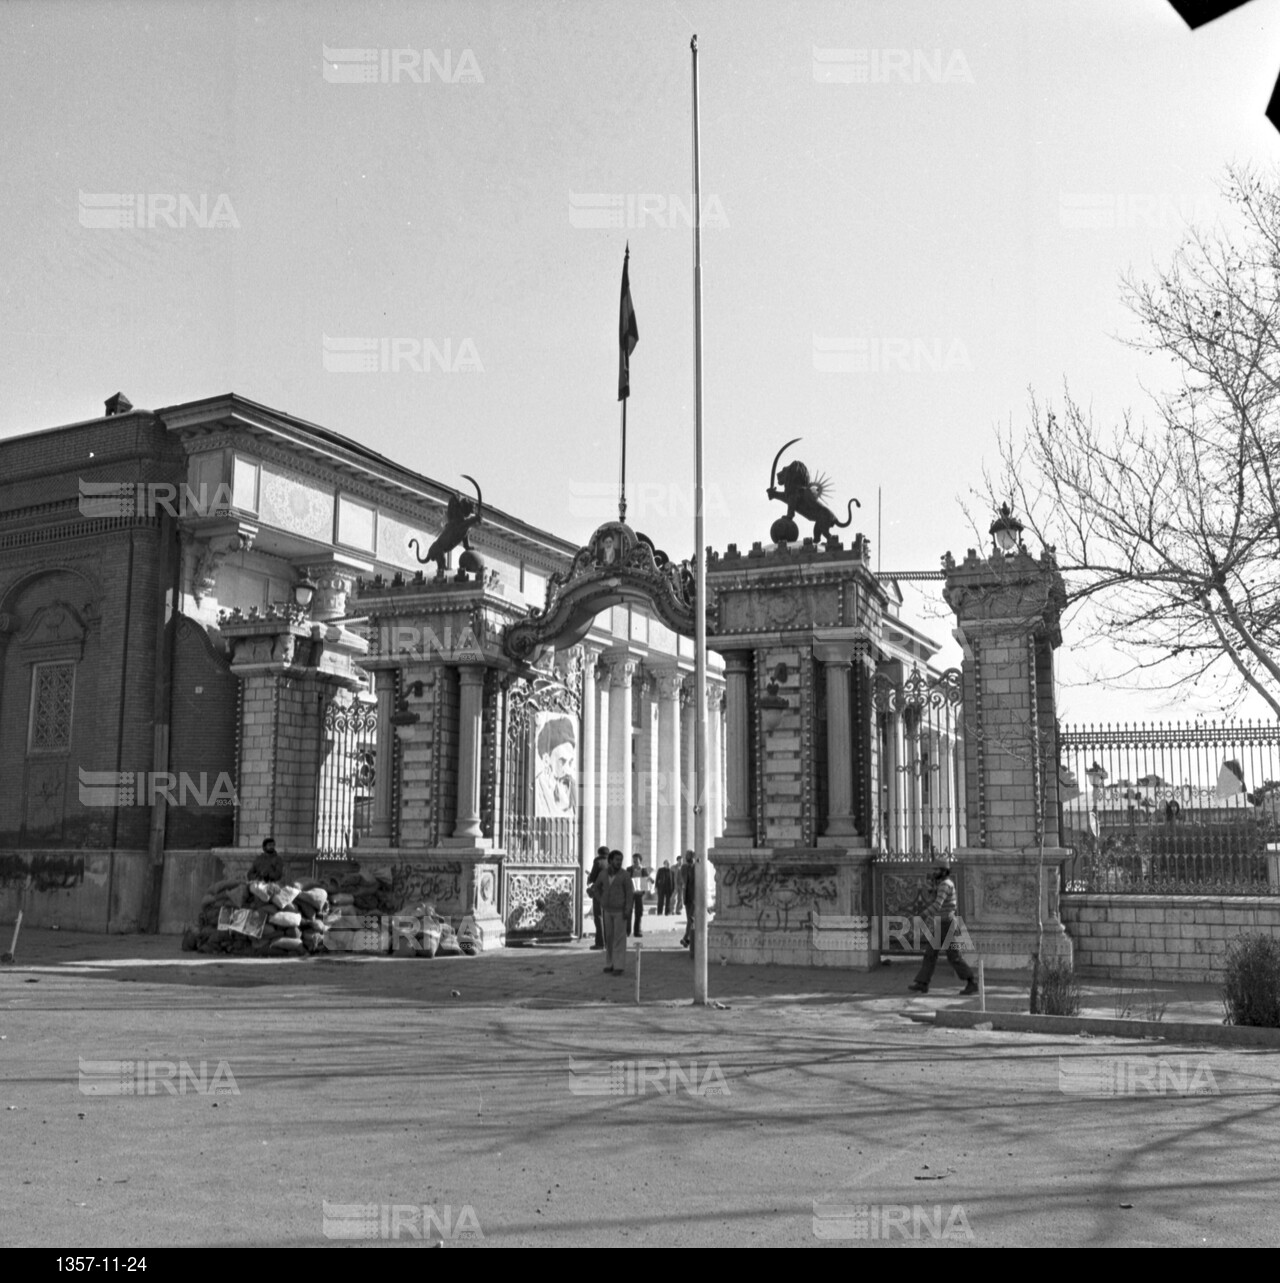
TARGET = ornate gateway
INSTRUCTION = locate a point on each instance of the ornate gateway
(536, 799)
(617, 565)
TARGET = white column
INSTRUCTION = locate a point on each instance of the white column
(470, 711)
(715, 760)
(836, 658)
(384, 758)
(648, 803)
(686, 741)
(621, 671)
(600, 798)
(670, 684)
(739, 732)
(587, 760)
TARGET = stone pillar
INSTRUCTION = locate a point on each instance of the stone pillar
(837, 660)
(288, 675)
(739, 822)
(622, 668)
(670, 684)
(1007, 608)
(470, 712)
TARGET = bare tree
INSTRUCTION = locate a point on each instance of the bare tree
(1171, 526)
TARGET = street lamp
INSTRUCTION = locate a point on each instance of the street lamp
(772, 704)
(303, 591)
(404, 719)
(1006, 531)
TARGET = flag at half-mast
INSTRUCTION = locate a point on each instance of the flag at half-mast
(628, 334)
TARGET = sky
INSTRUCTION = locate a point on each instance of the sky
(913, 212)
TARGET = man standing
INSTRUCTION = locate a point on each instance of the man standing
(612, 891)
(665, 885)
(689, 887)
(638, 875)
(597, 868)
(942, 912)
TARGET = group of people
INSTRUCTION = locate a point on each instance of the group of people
(617, 901)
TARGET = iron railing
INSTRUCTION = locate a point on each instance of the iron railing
(1170, 809)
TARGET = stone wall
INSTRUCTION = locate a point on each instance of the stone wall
(1143, 937)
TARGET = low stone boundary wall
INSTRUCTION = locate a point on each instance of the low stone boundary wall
(1176, 937)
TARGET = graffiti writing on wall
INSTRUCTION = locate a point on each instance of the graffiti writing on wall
(41, 872)
(776, 886)
(434, 883)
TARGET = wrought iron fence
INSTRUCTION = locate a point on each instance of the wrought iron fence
(1170, 809)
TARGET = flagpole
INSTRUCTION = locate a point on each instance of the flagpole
(622, 484)
(700, 590)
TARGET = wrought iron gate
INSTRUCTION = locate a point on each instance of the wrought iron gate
(537, 820)
(348, 753)
(921, 798)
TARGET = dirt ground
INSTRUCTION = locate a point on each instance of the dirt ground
(522, 1098)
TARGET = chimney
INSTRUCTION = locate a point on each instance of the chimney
(118, 404)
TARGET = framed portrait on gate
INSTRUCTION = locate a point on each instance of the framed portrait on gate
(555, 752)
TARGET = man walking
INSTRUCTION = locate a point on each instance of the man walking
(942, 912)
(612, 892)
(665, 884)
(597, 868)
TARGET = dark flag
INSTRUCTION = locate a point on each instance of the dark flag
(628, 334)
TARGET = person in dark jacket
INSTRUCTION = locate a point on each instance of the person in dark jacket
(597, 868)
(665, 884)
(688, 884)
(614, 894)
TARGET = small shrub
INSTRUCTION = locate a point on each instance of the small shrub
(1251, 993)
(1124, 998)
(1056, 991)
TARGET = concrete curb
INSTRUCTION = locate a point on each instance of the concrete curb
(1169, 1031)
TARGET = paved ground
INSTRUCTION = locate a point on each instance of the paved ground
(528, 1095)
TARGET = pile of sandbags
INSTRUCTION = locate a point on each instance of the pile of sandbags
(366, 890)
(254, 916)
(356, 911)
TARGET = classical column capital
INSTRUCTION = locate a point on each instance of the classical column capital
(622, 667)
(836, 654)
(737, 661)
(671, 682)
